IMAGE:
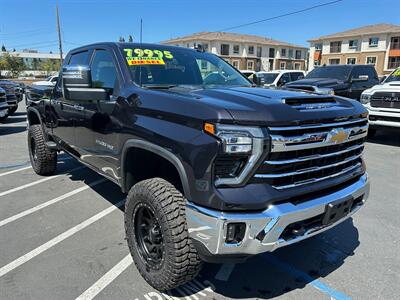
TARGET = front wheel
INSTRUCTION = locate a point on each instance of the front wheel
(12, 110)
(157, 234)
(43, 159)
(5, 116)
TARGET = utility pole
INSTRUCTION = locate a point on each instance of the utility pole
(141, 30)
(59, 34)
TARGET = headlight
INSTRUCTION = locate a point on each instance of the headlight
(365, 98)
(325, 91)
(238, 142)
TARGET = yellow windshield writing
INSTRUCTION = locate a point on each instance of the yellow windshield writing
(146, 56)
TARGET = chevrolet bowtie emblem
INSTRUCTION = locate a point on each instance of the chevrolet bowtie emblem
(337, 136)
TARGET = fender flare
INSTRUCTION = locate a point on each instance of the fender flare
(164, 153)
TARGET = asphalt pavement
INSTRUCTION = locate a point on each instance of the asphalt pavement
(62, 237)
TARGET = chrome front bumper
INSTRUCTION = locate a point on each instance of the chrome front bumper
(208, 227)
(378, 113)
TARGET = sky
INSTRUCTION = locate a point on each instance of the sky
(32, 24)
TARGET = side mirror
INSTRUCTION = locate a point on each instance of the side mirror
(360, 78)
(77, 84)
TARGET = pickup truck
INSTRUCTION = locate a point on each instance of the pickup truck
(214, 168)
(342, 80)
(383, 103)
(3, 105)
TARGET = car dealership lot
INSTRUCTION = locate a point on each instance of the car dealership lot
(62, 237)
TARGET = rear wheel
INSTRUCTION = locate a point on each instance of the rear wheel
(157, 235)
(43, 159)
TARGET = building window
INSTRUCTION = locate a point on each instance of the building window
(204, 65)
(373, 42)
(204, 47)
(351, 60)
(259, 51)
(298, 54)
(224, 49)
(335, 47)
(236, 63)
(394, 62)
(251, 49)
(334, 61)
(353, 44)
(271, 52)
(318, 47)
(371, 60)
(395, 42)
(282, 65)
(297, 66)
(283, 52)
(235, 49)
(290, 53)
(250, 65)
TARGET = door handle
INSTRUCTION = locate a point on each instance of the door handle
(78, 107)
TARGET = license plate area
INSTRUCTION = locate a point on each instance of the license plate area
(336, 210)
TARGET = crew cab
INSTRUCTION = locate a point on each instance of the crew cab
(342, 80)
(383, 103)
(214, 168)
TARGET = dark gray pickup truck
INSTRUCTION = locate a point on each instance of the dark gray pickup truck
(214, 168)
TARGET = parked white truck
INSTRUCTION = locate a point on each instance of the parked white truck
(383, 103)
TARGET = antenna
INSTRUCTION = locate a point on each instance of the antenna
(59, 34)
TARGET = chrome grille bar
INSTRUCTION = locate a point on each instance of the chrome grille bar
(319, 125)
(308, 170)
(307, 158)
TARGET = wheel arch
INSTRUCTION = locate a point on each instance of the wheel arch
(158, 151)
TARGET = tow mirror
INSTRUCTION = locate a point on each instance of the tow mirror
(360, 78)
(77, 84)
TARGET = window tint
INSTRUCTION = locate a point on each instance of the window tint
(103, 70)
(362, 71)
(284, 79)
(79, 58)
(296, 76)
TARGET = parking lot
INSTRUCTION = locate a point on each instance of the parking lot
(62, 237)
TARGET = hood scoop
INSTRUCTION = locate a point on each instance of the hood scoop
(311, 103)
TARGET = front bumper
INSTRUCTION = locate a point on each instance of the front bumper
(264, 229)
(389, 117)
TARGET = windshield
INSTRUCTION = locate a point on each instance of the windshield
(340, 73)
(395, 76)
(268, 78)
(158, 66)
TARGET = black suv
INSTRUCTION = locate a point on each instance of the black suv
(214, 168)
(342, 80)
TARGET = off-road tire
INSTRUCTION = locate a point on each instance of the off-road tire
(12, 110)
(43, 159)
(371, 132)
(180, 262)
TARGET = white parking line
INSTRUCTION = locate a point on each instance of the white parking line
(104, 281)
(224, 272)
(50, 202)
(28, 167)
(37, 182)
(35, 252)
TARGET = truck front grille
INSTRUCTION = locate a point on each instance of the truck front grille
(386, 100)
(311, 153)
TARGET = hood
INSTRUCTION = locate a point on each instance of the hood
(393, 86)
(247, 105)
(318, 82)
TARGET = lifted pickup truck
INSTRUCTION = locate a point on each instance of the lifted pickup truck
(383, 103)
(215, 169)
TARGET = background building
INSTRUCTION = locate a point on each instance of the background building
(247, 52)
(375, 44)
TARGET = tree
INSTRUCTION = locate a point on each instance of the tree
(49, 65)
(14, 50)
(130, 39)
(121, 39)
(11, 63)
(3, 48)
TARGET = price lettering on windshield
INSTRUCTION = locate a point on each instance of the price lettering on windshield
(146, 56)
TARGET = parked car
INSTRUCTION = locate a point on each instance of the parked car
(50, 81)
(3, 105)
(383, 103)
(12, 99)
(248, 73)
(278, 78)
(215, 168)
(342, 80)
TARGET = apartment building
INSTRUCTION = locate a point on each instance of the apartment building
(375, 44)
(247, 52)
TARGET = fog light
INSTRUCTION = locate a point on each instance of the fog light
(235, 233)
